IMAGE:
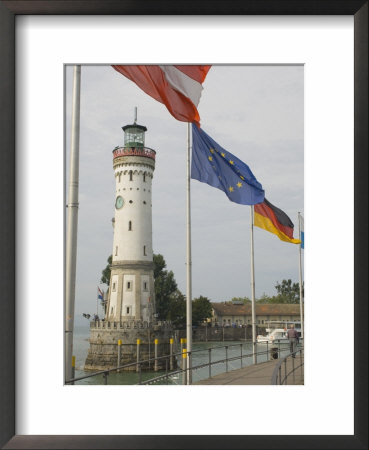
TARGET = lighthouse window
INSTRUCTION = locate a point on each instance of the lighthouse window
(127, 309)
(145, 286)
(116, 251)
(129, 285)
(144, 250)
(129, 226)
(113, 286)
(144, 177)
(130, 175)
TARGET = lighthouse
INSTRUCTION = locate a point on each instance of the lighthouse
(132, 281)
(130, 330)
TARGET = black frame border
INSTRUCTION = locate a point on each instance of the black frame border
(8, 11)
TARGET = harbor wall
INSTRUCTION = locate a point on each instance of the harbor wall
(104, 338)
(209, 334)
(105, 335)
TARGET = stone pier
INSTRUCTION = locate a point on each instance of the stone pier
(104, 337)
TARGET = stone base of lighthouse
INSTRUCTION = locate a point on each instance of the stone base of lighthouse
(104, 337)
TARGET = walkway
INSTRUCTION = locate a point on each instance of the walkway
(256, 374)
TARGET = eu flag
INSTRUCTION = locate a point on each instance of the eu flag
(217, 167)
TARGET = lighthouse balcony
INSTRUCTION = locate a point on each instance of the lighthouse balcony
(134, 151)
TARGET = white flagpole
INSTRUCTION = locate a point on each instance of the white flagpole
(253, 312)
(189, 264)
(300, 282)
(71, 238)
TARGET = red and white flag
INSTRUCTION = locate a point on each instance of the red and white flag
(177, 87)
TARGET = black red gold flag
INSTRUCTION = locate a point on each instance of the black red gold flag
(272, 219)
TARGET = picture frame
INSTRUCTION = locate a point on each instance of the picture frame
(8, 11)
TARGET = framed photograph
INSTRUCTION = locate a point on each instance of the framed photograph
(39, 42)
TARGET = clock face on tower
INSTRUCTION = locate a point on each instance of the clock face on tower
(119, 202)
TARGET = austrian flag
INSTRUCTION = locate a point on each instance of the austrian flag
(177, 87)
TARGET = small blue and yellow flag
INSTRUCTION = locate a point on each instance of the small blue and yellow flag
(215, 166)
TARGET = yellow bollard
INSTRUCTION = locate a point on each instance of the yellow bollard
(119, 353)
(138, 342)
(184, 366)
(156, 342)
(171, 341)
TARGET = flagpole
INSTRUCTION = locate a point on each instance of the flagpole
(189, 263)
(253, 312)
(300, 280)
(71, 238)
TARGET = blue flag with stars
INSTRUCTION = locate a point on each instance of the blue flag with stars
(215, 166)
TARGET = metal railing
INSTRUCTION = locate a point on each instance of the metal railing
(274, 350)
(278, 378)
(136, 367)
(167, 362)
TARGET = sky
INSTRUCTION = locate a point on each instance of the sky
(255, 112)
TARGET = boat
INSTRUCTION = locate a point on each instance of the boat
(275, 336)
(279, 334)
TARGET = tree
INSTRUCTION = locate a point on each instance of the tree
(288, 292)
(159, 264)
(201, 310)
(177, 309)
(105, 274)
(266, 299)
(165, 286)
(243, 300)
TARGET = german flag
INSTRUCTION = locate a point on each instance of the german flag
(272, 219)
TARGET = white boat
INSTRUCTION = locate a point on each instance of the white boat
(278, 335)
(275, 336)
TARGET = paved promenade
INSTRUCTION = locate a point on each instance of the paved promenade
(257, 374)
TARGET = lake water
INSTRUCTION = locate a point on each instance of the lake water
(200, 356)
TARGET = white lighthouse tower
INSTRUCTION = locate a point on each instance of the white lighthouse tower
(131, 295)
(129, 330)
